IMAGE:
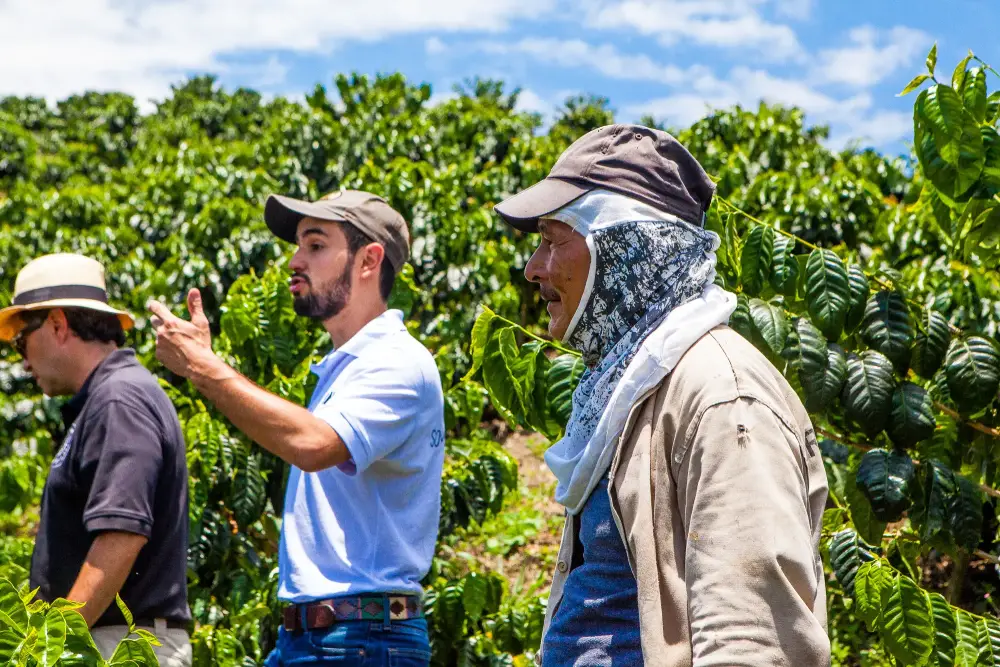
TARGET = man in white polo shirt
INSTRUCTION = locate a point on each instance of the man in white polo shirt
(363, 496)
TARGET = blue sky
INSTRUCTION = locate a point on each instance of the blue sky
(843, 62)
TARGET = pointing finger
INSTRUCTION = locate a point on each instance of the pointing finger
(161, 312)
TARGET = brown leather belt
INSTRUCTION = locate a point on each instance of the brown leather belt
(324, 613)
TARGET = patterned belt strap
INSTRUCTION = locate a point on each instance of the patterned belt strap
(324, 613)
(371, 607)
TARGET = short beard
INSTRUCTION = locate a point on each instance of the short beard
(322, 304)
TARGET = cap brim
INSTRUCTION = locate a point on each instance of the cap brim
(523, 210)
(10, 323)
(283, 214)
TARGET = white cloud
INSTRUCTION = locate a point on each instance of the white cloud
(59, 47)
(434, 45)
(848, 117)
(271, 72)
(530, 101)
(882, 128)
(794, 9)
(872, 55)
(747, 87)
(716, 23)
(605, 58)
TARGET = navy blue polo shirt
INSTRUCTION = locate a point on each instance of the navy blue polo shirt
(121, 467)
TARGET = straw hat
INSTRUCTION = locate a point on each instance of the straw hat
(61, 280)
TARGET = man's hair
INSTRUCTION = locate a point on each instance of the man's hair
(93, 325)
(357, 239)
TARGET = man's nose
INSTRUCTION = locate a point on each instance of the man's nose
(535, 270)
(296, 264)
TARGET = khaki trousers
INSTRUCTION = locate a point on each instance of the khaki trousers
(174, 652)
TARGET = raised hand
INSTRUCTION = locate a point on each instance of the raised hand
(182, 346)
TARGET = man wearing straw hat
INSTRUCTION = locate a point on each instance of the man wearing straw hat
(114, 513)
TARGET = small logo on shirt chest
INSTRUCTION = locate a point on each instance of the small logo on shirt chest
(437, 438)
(63, 452)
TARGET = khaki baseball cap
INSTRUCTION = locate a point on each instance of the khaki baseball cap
(60, 280)
(640, 162)
(365, 211)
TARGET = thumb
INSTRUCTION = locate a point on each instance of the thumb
(195, 308)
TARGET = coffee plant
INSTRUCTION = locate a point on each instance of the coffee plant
(868, 280)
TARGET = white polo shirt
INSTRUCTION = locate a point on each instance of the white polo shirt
(369, 525)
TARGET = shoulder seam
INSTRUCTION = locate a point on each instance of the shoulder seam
(732, 368)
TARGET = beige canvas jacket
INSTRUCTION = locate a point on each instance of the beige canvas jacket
(718, 490)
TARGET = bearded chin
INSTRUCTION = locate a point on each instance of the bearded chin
(325, 305)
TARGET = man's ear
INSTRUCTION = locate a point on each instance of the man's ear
(371, 259)
(60, 325)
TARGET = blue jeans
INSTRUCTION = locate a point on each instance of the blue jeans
(355, 644)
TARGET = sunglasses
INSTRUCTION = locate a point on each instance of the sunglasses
(32, 323)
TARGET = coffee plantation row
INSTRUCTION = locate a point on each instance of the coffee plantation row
(870, 281)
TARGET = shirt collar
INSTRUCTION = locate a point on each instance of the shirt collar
(386, 324)
(114, 361)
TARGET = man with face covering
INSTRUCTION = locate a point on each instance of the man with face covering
(690, 473)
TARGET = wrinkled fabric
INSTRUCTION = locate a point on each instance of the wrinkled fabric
(650, 295)
(717, 487)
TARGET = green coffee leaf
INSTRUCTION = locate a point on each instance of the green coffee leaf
(480, 336)
(136, 650)
(965, 514)
(770, 326)
(806, 349)
(822, 390)
(944, 631)
(907, 625)
(740, 319)
(13, 613)
(847, 553)
(784, 266)
(989, 642)
(499, 355)
(756, 260)
(51, 639)
(870, 528)
(79, 641)
(858, 300)
(958, 74)
(932, 500)
(974, 93)
(912, 417)
(932, 56)
(930, 344)
(993, 107)
(474, 590)
(887, 328)
(972, 369)
(867, 394)
(872, 578)
(885, 477)
(827, 292)
(561, 380)
(966, 639)
(914, 84)
(948, 142)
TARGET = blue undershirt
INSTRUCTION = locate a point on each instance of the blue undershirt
(597, 621)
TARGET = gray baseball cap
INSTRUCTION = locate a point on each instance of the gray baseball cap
(365, 211)
(640, 162)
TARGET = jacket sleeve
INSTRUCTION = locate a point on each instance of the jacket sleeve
(751, 571)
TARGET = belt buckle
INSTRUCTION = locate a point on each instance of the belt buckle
(320, 615)
(290, 618)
